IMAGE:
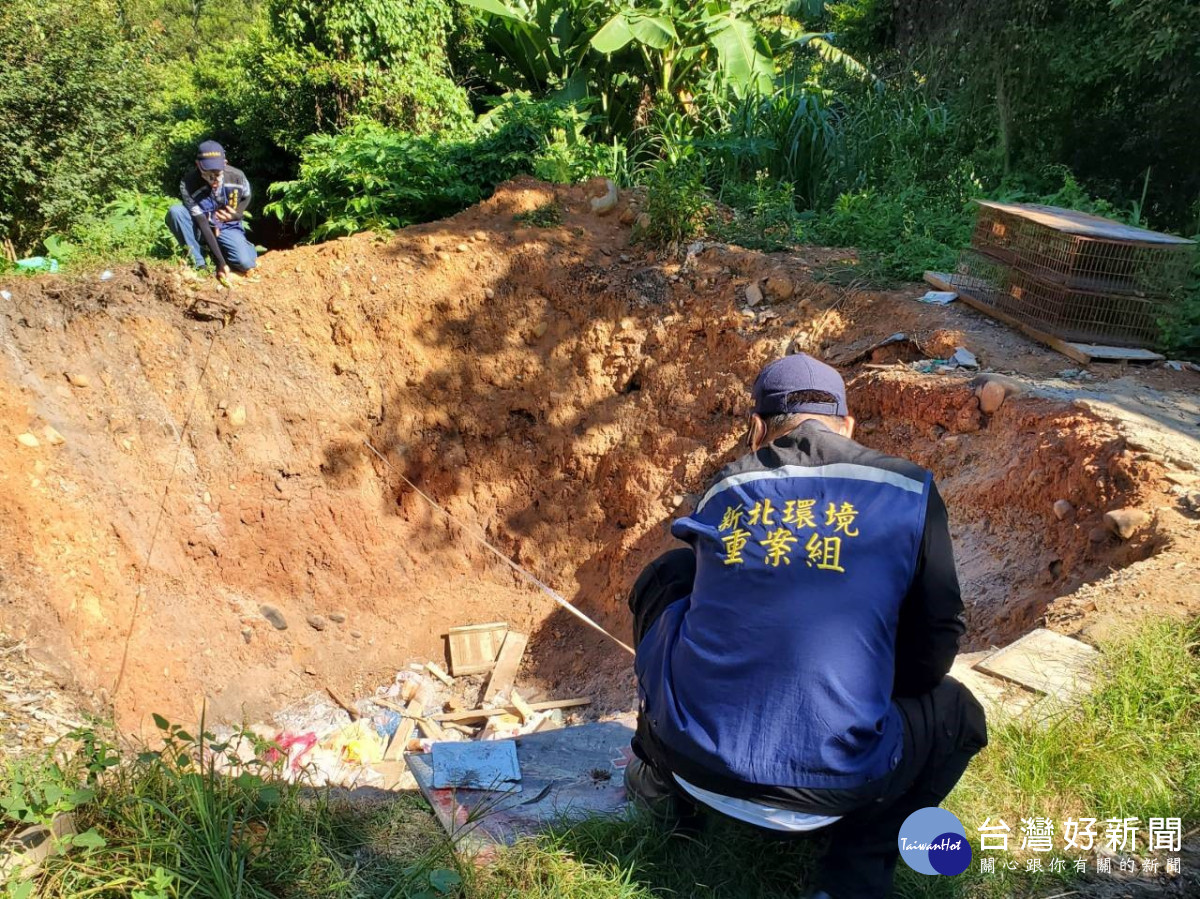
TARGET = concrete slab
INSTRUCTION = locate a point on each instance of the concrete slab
(1047, 662)
(567, 774)
(490, 765)
(999, 698)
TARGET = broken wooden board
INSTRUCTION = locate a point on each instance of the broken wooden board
(566, 774)
(490, 765)
(484, 714)
(1047, 662)
(507, 663)
(474, 647)
(1083, 353)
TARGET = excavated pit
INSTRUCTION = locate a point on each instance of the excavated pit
(557, 391)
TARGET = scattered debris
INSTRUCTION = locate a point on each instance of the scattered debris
(938, 297)
(963, 358)
(106, 275)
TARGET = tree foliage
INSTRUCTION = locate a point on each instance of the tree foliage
(74, 114)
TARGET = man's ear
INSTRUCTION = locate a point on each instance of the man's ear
(848, 427)
(757, 434)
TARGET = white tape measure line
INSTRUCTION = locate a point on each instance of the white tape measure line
(549, 591)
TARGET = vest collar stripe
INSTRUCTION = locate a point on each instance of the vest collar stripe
(847, 470)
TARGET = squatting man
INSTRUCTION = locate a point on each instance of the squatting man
(792, 660)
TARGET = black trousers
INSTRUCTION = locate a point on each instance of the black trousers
(943, 729)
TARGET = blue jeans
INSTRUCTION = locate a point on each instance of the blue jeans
(239, 252)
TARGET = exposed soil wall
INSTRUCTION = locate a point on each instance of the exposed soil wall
(557, 390)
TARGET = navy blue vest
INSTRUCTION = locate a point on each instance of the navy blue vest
(778, 669)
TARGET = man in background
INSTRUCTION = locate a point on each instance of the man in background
(792, 661)
(215, 197)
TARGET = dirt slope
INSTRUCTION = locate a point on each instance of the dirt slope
(559, 391)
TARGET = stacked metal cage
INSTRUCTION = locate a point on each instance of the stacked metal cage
(1076, 276)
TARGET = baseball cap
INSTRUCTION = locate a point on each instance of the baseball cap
(211, 156)
(793, 373)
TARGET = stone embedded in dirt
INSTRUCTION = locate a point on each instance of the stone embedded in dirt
(754, 294)
(1126, 522)
(779, 287)
(991, 397)
(274, 616)
(317, 623)
(337, 617)
(247, 634)
(1062, 508)
(236, 416)
(539, 330)
(78, 379)
(53, 437)
(1099, 535)
(357, 635)
(629, 215)
(462, 248)
(677, 499)
(443, 256)
(28, 439)
(488, 293)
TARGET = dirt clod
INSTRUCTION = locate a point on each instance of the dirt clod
(1062, 508)
(779, 288)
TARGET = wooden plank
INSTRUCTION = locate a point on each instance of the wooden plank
(507, 664)
(439, 674)
(474, 647)
(1118, 353)
(336, 697)
(484, 714)
(522, 707)
(395, 749)
(942, 281)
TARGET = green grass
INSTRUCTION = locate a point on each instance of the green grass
(548, 215)
(162, 828)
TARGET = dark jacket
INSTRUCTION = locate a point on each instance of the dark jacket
(200, 199)
(825, 586)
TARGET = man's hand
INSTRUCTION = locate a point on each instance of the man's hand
(225, 214)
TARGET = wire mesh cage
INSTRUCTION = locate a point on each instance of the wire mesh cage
(1078, 276)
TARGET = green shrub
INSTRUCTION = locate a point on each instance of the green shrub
(763, 215)
(130, 227)
(373, 178)
(677, 202)
(74, 114)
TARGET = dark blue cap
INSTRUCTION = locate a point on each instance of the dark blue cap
(211, 156)
(791, 374)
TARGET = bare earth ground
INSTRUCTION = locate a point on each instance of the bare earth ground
(559, 390)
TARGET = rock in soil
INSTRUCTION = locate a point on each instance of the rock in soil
(1062, 508)
(274, 616)
(1126, 522)
(317, 623)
